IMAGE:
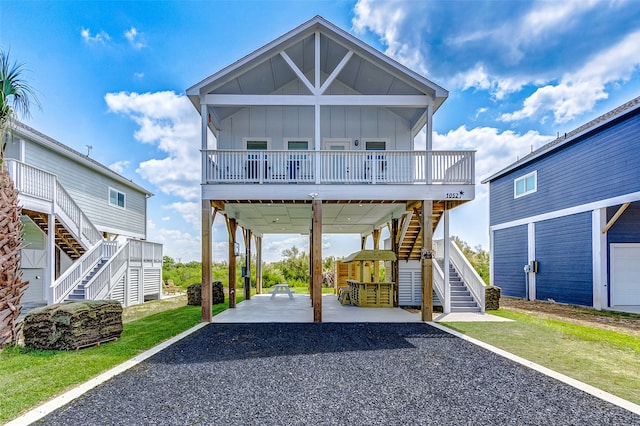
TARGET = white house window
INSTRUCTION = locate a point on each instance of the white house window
(375, 145)
(116, 198)
(257, 144)
(297, 144)
(525, 185)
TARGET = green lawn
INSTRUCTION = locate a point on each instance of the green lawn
(605, 359)
(30, 377)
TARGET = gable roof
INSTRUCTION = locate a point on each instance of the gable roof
(570, 137)
(265, 70)
(62, 149)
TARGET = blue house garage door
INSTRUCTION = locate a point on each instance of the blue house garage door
(625, 274)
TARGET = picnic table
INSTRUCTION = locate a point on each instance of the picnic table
(282, 289)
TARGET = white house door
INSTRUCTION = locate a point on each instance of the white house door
(33, 264)
(336, 168)
(625, 274)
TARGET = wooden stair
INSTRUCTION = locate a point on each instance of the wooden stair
(63, 238)
(411, 245)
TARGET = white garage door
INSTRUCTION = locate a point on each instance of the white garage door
(625, 274)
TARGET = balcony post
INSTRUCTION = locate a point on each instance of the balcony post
(50, 273)
(427, 260)
(258, 265)
(231, 228)
(205, 297)
(316, 255)
(247, 264)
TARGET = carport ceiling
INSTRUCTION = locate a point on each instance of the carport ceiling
(282, 218)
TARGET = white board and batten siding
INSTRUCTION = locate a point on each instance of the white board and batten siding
(279, 123)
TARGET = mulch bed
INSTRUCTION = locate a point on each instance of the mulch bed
(333, 374)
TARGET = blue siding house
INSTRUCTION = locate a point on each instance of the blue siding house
(565, 219)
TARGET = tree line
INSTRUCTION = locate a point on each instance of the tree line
(292, 268)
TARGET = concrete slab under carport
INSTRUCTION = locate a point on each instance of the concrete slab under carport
(262, 308)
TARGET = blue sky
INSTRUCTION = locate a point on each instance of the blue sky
(113, 75)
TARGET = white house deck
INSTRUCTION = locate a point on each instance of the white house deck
(338, 167)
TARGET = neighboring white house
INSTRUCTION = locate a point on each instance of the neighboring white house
(75, 212)
(315, 133)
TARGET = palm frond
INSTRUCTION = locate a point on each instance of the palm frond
(16, 95)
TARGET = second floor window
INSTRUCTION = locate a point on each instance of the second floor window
(116, 198)
(525, 185)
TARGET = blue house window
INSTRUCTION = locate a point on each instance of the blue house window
(116, 198)
(525, 185)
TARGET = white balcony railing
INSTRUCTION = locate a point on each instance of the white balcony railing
(339, 167)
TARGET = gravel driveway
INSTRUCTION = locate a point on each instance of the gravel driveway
(333, 374)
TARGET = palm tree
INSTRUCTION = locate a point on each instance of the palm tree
(16, 97)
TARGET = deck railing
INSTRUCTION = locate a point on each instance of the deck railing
(73, 276)
(132, 252)
(339, 167)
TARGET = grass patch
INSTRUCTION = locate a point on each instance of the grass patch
(132, 313)
(605, 359)
(29, 377)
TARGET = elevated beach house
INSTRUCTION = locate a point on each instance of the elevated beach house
(565, 219)
(74, 209)
(315, 133)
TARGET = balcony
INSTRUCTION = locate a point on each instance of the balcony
(338, 167)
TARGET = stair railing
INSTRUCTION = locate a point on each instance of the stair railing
(73, 276)
(40, 184)
(468, 274)
(438, 281)
(108, 275)
(83, 227)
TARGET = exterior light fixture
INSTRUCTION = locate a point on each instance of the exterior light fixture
(356, 142)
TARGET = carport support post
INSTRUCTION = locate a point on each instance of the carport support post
(427, 260)
(247, 264)
(232, 226)
(376, 263)
(316, 254)
(446, 303)
(258, 265)
(394, 264)
(207, 219)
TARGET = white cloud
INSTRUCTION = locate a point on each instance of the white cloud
(548, 16)
(189, 211)
(134, 36)
(119, 166)
(578, 92)
(138, 74)
(479, 78)
(480, 111)
(494, 149)
(181, 245)
(101, 37)
(169, 122)
(389, 19)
